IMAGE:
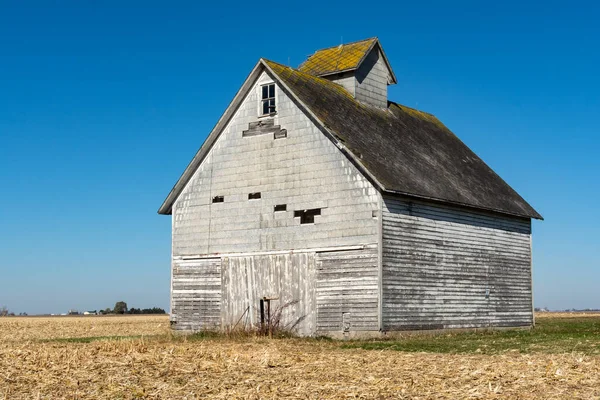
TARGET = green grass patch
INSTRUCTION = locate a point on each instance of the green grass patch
(550, 335)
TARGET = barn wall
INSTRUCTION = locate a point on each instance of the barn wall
(444, 267)
(318, 291)
(347, 290)
(372, 80)
(196, 294)
(304, 171)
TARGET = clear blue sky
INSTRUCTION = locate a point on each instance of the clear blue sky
(101, 109)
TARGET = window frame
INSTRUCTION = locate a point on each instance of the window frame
(261, 100)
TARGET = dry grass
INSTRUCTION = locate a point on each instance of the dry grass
(34, 328)
(161, 366)
(567, 314)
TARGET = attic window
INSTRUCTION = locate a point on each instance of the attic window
(253, 196)
(268, 99)
(307, 216)
(280, 207)
(218, 199)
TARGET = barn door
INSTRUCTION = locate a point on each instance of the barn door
(285, 280)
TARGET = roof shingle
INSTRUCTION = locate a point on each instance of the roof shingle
(337, 59)
(407, 151)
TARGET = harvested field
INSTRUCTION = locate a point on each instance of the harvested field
(137, 358)
(21, 329)
(566, 314)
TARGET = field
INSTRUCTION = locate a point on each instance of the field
(136, 357)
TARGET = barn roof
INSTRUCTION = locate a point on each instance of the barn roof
(407, 151)
(342, 58)
(402, 150)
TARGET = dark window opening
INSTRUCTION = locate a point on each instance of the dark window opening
(268, 99)
(252, 196)
(307, 216)
(280, 207)
(218, 199)
(280, 134)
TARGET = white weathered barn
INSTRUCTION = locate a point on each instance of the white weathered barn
(371, 216)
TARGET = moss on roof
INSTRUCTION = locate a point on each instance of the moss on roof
(337, 59)
(408, 151)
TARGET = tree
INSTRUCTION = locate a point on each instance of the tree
(120, 307)
(4, 311)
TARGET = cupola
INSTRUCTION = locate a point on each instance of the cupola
(360, 67)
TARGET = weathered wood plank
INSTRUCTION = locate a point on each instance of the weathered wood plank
(289, 278)
(196, 294)
(445, 267)
(347, 283)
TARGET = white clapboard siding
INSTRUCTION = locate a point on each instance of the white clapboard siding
(347, 282)
(287, 278)
(196, 294)
(439, 262)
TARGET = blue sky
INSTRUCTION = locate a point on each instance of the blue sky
(102, 106)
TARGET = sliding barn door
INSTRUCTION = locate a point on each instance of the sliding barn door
(287, 280)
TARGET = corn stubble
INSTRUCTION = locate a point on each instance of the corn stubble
(138, 358)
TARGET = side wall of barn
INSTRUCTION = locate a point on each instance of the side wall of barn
(282, 161)
(445, 267)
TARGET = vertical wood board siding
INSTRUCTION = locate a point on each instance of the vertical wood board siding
(440, 262)
(287, 277)
(348, 282)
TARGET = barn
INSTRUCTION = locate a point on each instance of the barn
(358, 216)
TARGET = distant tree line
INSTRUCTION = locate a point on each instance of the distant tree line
(121, 308)
(5, 313)
(153, 310)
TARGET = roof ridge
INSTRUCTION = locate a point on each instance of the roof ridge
(347, 44)
(341, 46)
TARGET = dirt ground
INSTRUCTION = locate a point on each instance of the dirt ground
(43, 358)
